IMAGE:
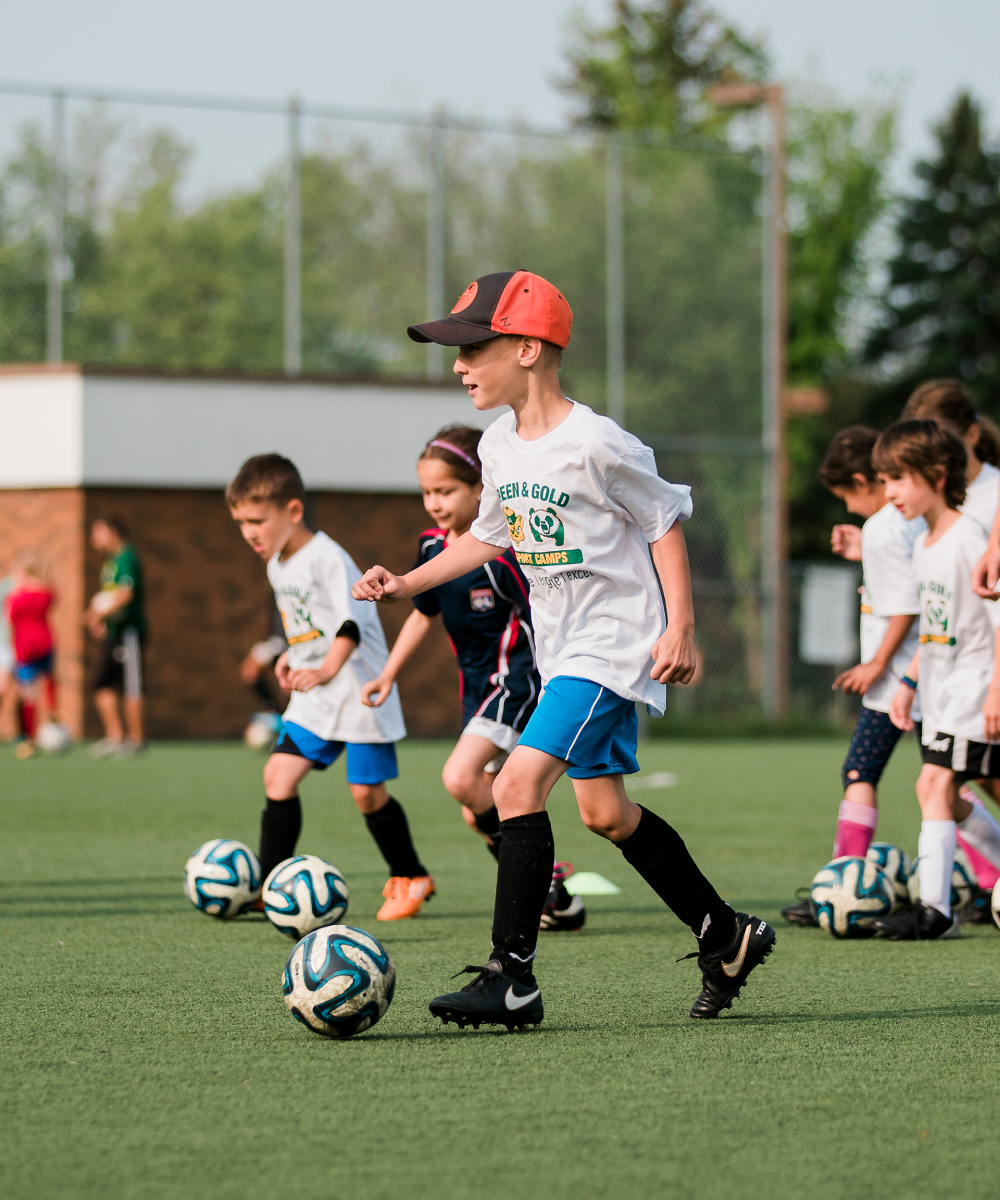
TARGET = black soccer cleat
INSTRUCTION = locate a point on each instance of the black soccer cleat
(800, 913)
(562, 913)
(979, 910)
(492, 998)
(921, 923)
(724, 973)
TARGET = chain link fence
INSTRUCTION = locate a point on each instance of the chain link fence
(165, 232)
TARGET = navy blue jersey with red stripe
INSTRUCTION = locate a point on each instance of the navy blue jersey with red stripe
(488, 620)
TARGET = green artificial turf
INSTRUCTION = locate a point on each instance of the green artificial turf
(147, 1052)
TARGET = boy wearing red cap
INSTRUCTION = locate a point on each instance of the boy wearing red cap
(598, 534)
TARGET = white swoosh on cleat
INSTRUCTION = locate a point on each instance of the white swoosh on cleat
(515, 1002)
(734, 968)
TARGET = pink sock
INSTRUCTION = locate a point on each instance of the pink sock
(986, 873)
(855, 829)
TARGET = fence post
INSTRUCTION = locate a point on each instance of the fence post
(293, 242)
(775, 514)
(436, 240)
(614, 278)
(57, 207)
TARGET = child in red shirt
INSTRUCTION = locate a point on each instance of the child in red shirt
(28, 605)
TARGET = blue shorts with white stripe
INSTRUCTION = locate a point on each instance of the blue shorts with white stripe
(589, 726)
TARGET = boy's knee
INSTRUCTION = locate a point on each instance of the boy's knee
(603, 826)
(457, 781)
(369, 797)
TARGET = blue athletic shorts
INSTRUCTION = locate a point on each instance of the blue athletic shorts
(367, 762)
(586, 725)
(28, 672)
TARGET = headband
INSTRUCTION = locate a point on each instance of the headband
(461, 454)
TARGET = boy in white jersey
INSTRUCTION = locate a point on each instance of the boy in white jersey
(334, 646)
(597, 534)
(923, 466)
(888, 634)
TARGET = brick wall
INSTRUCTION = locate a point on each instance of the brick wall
(50, 521)
(208, 599)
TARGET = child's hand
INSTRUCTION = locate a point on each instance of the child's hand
(845, 540)
(375, 692)
(859, 679)
(675, 659)
(379, 584)
(304, 679)
(991, 715)
(899, 709)
(985, 572)
(281, 672)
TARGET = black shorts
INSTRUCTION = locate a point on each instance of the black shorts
(120, 663)
(969, 760)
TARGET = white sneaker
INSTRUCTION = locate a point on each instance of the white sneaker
(129, 749)
(105, 748)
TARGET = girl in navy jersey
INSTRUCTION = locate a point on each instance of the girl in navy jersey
(487, 618)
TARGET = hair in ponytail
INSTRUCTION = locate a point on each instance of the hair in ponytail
(949, 401)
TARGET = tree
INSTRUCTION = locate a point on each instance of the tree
(940, 314)
(650, 68)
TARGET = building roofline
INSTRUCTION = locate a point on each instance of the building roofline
(229, 376)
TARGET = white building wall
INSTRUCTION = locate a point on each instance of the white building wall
(64, 429)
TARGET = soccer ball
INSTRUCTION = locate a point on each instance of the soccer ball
(222, 878)
(896, 864)
(995, 903)
(53, 738)
(963, 882)
(304, 893)
(262, 730)
(339, 981)
(848, 894)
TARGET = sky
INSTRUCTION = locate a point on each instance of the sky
(478, 59)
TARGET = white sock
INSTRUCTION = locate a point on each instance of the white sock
(982, 833)
(936, 848)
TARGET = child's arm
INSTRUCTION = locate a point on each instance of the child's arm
(462, 556)
(986, 572)
(377, 691)
(673, 653)
(306, 678)
(860, 678)
(991, 709)
(902, 702)
(845, 540)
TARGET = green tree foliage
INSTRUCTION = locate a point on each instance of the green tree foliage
(649, 68)
(940, 314)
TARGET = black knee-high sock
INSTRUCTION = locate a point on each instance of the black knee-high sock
(280, 825)
(527, 851)
(657, 852)
(489, 823)
(392, 836)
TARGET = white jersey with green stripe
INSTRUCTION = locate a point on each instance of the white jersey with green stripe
(581, 506)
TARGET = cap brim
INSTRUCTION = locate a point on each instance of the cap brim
(449, 332)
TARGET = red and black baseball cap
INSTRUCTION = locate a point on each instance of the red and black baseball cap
(514, 302)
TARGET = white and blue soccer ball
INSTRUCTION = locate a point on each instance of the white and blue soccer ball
(339, 981)
(896, 864)
(963, 882)
(304, 893)
(262, 730)
(53, 738)
(222, 878)
(848, 894)
(995, 904)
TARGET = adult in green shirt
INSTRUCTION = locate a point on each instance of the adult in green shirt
(117, 619)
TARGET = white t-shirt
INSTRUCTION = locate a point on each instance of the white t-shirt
(580, 507)
(956, 633)
(888, 590)
(312, 590)
(981, 496)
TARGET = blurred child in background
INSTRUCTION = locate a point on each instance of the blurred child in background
(27, 608)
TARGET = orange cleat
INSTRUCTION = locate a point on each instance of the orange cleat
(403, 897)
